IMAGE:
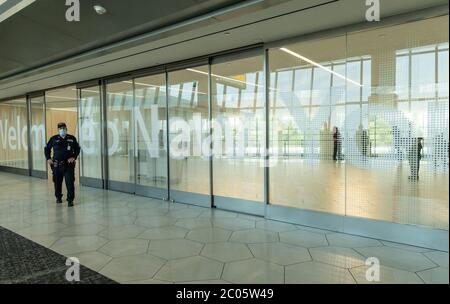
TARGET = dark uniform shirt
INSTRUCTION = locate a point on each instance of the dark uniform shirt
(63, 148)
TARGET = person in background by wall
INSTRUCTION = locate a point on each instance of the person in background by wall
(337, 144)
(414, 156)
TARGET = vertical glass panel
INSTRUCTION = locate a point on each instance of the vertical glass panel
(188, 129)
(13, 133)
(397, 154)
(90, 132)
(61, 106)
(37, 133)
(443, 72)
(119, 107)
(151, 131)
(307, 165)
(239, 127)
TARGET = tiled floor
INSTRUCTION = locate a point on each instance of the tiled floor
(133, 239)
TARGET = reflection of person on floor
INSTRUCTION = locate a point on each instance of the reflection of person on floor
(414, 156)
(337, 144)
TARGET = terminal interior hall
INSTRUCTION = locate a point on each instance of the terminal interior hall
(277, 141)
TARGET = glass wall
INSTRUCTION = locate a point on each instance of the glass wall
(37, 133)
(306, 118)
(151, 131)
(61, 106)
(13, 133)
(362, 124)
(90, 132)
(238, 117)
(188, 128)
(357, 126)
(119, 107)
(397, 162)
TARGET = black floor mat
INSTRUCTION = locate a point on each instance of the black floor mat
(25, 262)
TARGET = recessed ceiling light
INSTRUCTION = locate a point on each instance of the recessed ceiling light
(99, 9)
(227, 33)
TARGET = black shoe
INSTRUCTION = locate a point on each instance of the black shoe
(70, 204)
(59, 201)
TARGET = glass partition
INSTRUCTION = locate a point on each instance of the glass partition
(37, 133)
(151, 132)
(306, 124)
(90, 132)
(238, 117)
(61, 106)
(119, 107)
(188, 128)
(397, 135)
(13, 133)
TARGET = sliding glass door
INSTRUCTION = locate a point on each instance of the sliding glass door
(238, 120)
(120, 135)
(150, 125)
(90, 136)
(37, 136)
(189, 165)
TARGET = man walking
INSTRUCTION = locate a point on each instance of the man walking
(65, 152)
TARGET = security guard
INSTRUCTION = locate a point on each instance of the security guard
(65, 152)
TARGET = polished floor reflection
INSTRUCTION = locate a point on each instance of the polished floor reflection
(133, 239)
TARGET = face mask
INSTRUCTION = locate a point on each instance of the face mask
(62, 132)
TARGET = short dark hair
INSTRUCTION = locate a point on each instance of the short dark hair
(62, 125)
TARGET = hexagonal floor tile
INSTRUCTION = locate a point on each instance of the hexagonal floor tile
(280, 253)
(216, 214)
(41, 229)
(437, 275)
(253, 271)
(190, 269)
(132, 268)
(174, 249)
(275, 226)
(155, 221)
(83, 229)
(439, 257)
(405, 247)
(122, 232)
(233, 223)
(226, 251)
(162, 233)
(184, 213)
(303, 238)
(398, 258)
(118, 220)
(194, 223)
(93, 259)
(125, 247)
(44, 240)
(317, 273)
(74, 244)
(347, 240)
(209, 235)
(388, 275)
(337, 256)
(254, 236)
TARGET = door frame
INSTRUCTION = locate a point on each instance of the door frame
(91, 181)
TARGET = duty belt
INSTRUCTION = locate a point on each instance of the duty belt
(57, 163)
